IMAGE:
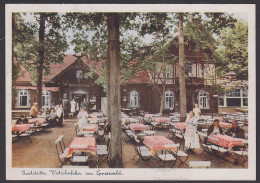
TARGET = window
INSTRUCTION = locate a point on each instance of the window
(169, 71)
(46, 99)
(23, 99)
(203, 100)
(238, 97)
(133, 99)
(168, 99)
(234, 93)
(79, 74)
(201, 70)
(245, 95)
(221, 101)
(188, 70)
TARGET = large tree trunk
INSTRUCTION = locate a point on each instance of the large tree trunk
(182, 71)
(108, 83)
(40, 61)
(115, 155)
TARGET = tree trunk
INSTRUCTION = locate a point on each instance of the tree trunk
(40, 61)
(163, 86)
(183, 103)
(108, 83)
(115, 155)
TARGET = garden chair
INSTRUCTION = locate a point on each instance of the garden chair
(167, 158)
(181, 156)
(242, 153)
(206, 147)
(61, 150)
(103, 152)
(142, 152)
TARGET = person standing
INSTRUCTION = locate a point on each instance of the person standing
(196, 110)
(73, 106)
(60, 115)
(34, 111)
(191, 137)
(83, 118)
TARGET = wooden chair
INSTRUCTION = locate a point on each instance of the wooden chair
(61, 150)
(103, 152)
(181, 156)
(167, 158)
(142, 152)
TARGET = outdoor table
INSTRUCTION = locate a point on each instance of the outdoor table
(181, 125)
(129, 120)
(90, 127)
(93, 120)
(225, 125)
(148, 115)
(161, 119)
(225, 141)
(155, 143)
(21, 127)
(138, 126)
(37, 120)
(83, 144)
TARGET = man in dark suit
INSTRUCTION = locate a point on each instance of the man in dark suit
(236, 131)
(215, 128)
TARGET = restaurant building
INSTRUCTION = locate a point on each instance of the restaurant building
(77, 78)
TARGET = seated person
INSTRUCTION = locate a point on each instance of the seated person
(51, 118)
(236, 131)
(226, 120)
(215, 128)
(22, 119)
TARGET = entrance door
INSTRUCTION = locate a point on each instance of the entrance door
(79, 95)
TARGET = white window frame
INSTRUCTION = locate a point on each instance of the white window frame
(233, 94)
(203, 95)
(169, 71)
(170, 95)
(189, 74)
(46, 95)
(133, 99)
(20, 94)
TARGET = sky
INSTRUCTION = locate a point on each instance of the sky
(147, 39)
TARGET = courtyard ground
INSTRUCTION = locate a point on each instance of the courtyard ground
(41, 152)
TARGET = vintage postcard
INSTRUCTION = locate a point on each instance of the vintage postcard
(130, 92)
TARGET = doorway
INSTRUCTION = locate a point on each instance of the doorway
(78, 95)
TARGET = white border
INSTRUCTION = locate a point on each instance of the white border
(140, 174)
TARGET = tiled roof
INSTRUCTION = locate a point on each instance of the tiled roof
(55, 69)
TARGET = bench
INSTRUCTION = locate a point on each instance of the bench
(199, 164)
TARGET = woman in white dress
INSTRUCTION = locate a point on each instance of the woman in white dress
(191, 137)
(73, 106)
(83, 118)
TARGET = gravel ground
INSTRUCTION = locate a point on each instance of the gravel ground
(41, 152)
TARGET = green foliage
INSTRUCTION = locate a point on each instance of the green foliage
(26, 51)
(232, 50)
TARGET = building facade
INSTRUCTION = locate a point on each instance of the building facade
(76, 78)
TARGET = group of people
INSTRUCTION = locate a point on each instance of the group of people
(75, 106)
(191, 137)
(55, 114)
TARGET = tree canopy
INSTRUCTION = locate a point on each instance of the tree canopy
(232, 50)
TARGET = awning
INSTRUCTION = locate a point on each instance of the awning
(34, 88)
